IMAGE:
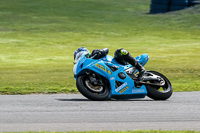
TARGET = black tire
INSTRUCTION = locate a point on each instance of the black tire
(193, 2)
(157, 11)
(157, 8)
(163, 2)
(85, 91)
(175, 8)
(154, 92)
(179, 3)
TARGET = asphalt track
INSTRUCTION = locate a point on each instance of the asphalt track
(67, 112)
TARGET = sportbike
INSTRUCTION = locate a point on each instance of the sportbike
(105, 78)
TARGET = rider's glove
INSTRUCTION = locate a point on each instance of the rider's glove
(97, 53)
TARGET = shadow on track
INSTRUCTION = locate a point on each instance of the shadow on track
(110, 100)
(72, 99)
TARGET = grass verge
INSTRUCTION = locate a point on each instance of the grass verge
(139, 131)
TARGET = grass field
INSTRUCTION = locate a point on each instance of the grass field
(151, 131)
(38, 38)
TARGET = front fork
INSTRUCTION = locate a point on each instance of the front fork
(94, 78)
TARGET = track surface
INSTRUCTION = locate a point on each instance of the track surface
(63, 112)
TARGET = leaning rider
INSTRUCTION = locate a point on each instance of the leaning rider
(121, 55)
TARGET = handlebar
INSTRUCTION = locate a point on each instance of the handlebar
(93, 56)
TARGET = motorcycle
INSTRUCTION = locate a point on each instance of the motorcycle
(104, 78)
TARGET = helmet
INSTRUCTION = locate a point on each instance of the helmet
(79, 50)
(120, 55)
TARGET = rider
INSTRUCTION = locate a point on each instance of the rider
(121, 55)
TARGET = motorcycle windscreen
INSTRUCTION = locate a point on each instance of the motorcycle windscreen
(77, 59)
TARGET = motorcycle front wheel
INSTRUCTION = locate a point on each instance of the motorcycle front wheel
(90, 91)
(159, 93)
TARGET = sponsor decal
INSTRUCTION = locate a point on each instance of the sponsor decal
(123, 90)
(121, 87)
(137, 90)
(103, 68)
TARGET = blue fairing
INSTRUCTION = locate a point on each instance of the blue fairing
(142, 59)
(103, 67)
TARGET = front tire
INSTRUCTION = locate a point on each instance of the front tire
(159, 93)
(85, 90)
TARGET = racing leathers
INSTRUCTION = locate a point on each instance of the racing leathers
(122, 56)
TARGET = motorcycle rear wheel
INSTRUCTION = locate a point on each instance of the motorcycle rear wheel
(159, 93)
(85, 90)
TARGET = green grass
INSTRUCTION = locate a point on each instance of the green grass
(38, 38)
(152, 131)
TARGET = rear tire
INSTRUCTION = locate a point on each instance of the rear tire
(154, 92)
(88, 93)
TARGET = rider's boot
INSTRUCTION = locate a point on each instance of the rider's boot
(138, 66)
(141, 73)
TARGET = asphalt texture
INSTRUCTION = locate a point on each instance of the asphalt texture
(73, 112)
